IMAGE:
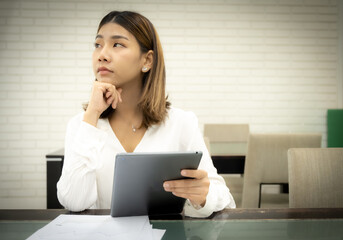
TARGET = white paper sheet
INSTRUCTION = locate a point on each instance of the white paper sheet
(100, 227)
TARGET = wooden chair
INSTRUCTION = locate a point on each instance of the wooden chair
(232, 140)
(266, 162)
(227, 139)
(315, 177)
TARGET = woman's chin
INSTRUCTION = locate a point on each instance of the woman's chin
(107, 80)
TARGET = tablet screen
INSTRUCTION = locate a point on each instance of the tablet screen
(138, 182)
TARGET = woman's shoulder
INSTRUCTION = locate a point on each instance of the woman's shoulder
(181, 125)
(181, 116)
(178, 112)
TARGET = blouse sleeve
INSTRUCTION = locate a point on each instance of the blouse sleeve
(219, 196)
(77, 187)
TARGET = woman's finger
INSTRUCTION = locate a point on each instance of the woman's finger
(198, 174)
(115, 100)
(111, 95)
(191, 191)
(109, 87)
(114, 104)
(194, 189)
(108, 94)
(185, 183)
(119, 91)
(110, 100)
(195, 199)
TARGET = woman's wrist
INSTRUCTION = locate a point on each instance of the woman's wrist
(91, 117)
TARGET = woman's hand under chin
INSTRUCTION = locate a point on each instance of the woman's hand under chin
(102, 96)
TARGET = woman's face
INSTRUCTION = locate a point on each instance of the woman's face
(117, 58)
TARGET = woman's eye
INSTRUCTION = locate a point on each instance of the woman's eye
(96, 45)
(118, 45)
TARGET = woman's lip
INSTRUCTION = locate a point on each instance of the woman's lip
(103, 69)
(104, 72)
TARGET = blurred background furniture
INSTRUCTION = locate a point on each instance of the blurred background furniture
(266, 163)
(54, 164)
(335, 128)
(315, 177)
(228, 144)
(227, 139)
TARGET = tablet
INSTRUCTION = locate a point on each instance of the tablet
(138, 182)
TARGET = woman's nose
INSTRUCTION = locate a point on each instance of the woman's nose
(104, 56)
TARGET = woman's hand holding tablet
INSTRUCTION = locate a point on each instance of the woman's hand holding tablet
(194, 189)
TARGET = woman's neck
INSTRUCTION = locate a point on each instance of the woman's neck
(128, 110)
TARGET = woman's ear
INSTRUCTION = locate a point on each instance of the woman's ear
(148, 61)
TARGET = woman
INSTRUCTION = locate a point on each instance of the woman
(129, 112)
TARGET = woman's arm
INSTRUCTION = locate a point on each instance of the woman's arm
(77, 187)
(207, 193)
(218, 196)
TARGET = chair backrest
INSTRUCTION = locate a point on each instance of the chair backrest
(266, 161)
(315, 177)
(227, 139)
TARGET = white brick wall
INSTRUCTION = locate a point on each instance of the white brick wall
(274, 64)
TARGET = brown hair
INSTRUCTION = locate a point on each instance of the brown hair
(153, 102)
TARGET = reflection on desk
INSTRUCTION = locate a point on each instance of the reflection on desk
(227, 224)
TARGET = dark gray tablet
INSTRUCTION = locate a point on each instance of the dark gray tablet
(138, 182)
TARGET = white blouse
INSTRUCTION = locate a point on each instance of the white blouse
(87, 175)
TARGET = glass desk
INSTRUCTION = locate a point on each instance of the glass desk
(228, 224)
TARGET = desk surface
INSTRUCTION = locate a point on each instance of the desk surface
(226, 214)
(228, 224)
